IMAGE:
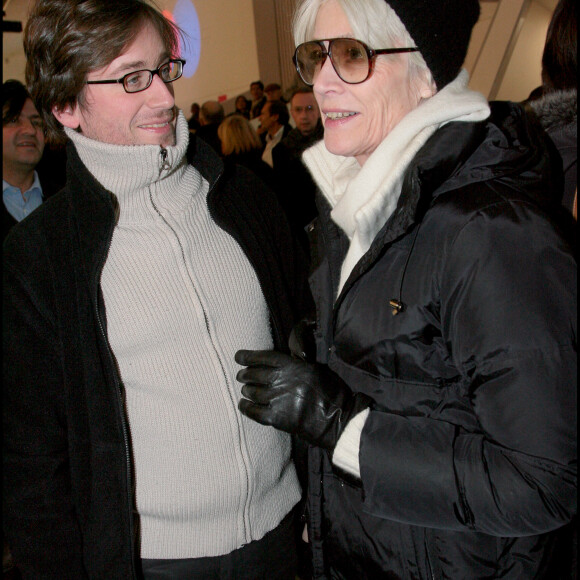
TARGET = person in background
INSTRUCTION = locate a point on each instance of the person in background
(124, 455)
(437, 382)
(258, 99)
(274, 127)
(193, 122)
(241, 145)
(23, 148)
(273, 92)
(295, 184)
(210, 117)
(242, 106)
(557, 107)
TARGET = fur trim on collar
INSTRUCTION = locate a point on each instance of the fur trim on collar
(557, 109)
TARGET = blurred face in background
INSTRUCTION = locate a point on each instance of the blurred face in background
(23, 139)
(305, 112)
(266, 119)
(256, 91)
(274, 94)
(241, 104)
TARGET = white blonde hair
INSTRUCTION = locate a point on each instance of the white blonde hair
(372, 21)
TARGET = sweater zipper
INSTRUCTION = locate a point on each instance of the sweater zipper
(121, 408)
(247, 530)
(165, 165)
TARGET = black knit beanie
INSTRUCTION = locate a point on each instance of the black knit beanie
(441, 29)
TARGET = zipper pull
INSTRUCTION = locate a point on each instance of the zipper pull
(165, 165)
(396, 305)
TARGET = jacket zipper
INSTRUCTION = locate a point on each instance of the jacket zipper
(429, 564)
(121, 408)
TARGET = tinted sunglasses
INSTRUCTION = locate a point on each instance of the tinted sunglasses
(352, 59)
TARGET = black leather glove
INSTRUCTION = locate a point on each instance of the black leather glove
(297, 397)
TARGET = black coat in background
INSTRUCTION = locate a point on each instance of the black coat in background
(295, 187)
(209, 133)
(52, 175)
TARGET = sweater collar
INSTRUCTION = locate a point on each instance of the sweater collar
(134, 173)
(125, 168)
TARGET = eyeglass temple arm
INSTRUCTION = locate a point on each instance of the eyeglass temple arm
(394, 50)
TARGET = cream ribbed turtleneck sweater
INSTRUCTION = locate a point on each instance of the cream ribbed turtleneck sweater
(181, 298)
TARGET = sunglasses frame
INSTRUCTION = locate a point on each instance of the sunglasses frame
(371, 53)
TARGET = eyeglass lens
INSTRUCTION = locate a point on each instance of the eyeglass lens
(349, 58)
(141, 79)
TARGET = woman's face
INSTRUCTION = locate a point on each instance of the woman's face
(357, 118)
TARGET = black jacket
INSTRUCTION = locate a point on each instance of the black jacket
(68, 490)
(295, 187)
(52, 175)
(468, 456)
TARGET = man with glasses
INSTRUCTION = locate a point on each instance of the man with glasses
(125, 454)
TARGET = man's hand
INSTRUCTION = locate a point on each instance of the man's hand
(297, 397)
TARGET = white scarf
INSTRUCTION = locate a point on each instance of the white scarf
(363, 198)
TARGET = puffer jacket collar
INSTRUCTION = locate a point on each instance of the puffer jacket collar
(461, 154)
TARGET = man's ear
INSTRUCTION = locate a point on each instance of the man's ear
(67, 116)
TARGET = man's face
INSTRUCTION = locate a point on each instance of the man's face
(305, 112)
(266, 120)
(274, 94)
(111, 115)
(23, 138)
(256, 91)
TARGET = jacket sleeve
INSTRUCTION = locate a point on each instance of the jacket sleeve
(39, 519)
(508, 316)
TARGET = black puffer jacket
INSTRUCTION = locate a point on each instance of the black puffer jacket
(468, 459)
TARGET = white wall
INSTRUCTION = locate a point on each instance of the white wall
(524, 71)
(228, 60)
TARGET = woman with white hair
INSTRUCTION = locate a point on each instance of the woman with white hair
(436, 385)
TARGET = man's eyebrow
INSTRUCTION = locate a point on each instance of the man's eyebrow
(139, 64)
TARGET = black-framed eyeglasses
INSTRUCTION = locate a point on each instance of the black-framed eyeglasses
(139, 80)
(352, 59)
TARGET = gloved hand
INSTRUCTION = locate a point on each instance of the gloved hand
(297, 397)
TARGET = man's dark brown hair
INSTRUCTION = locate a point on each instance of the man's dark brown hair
(64, 40)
